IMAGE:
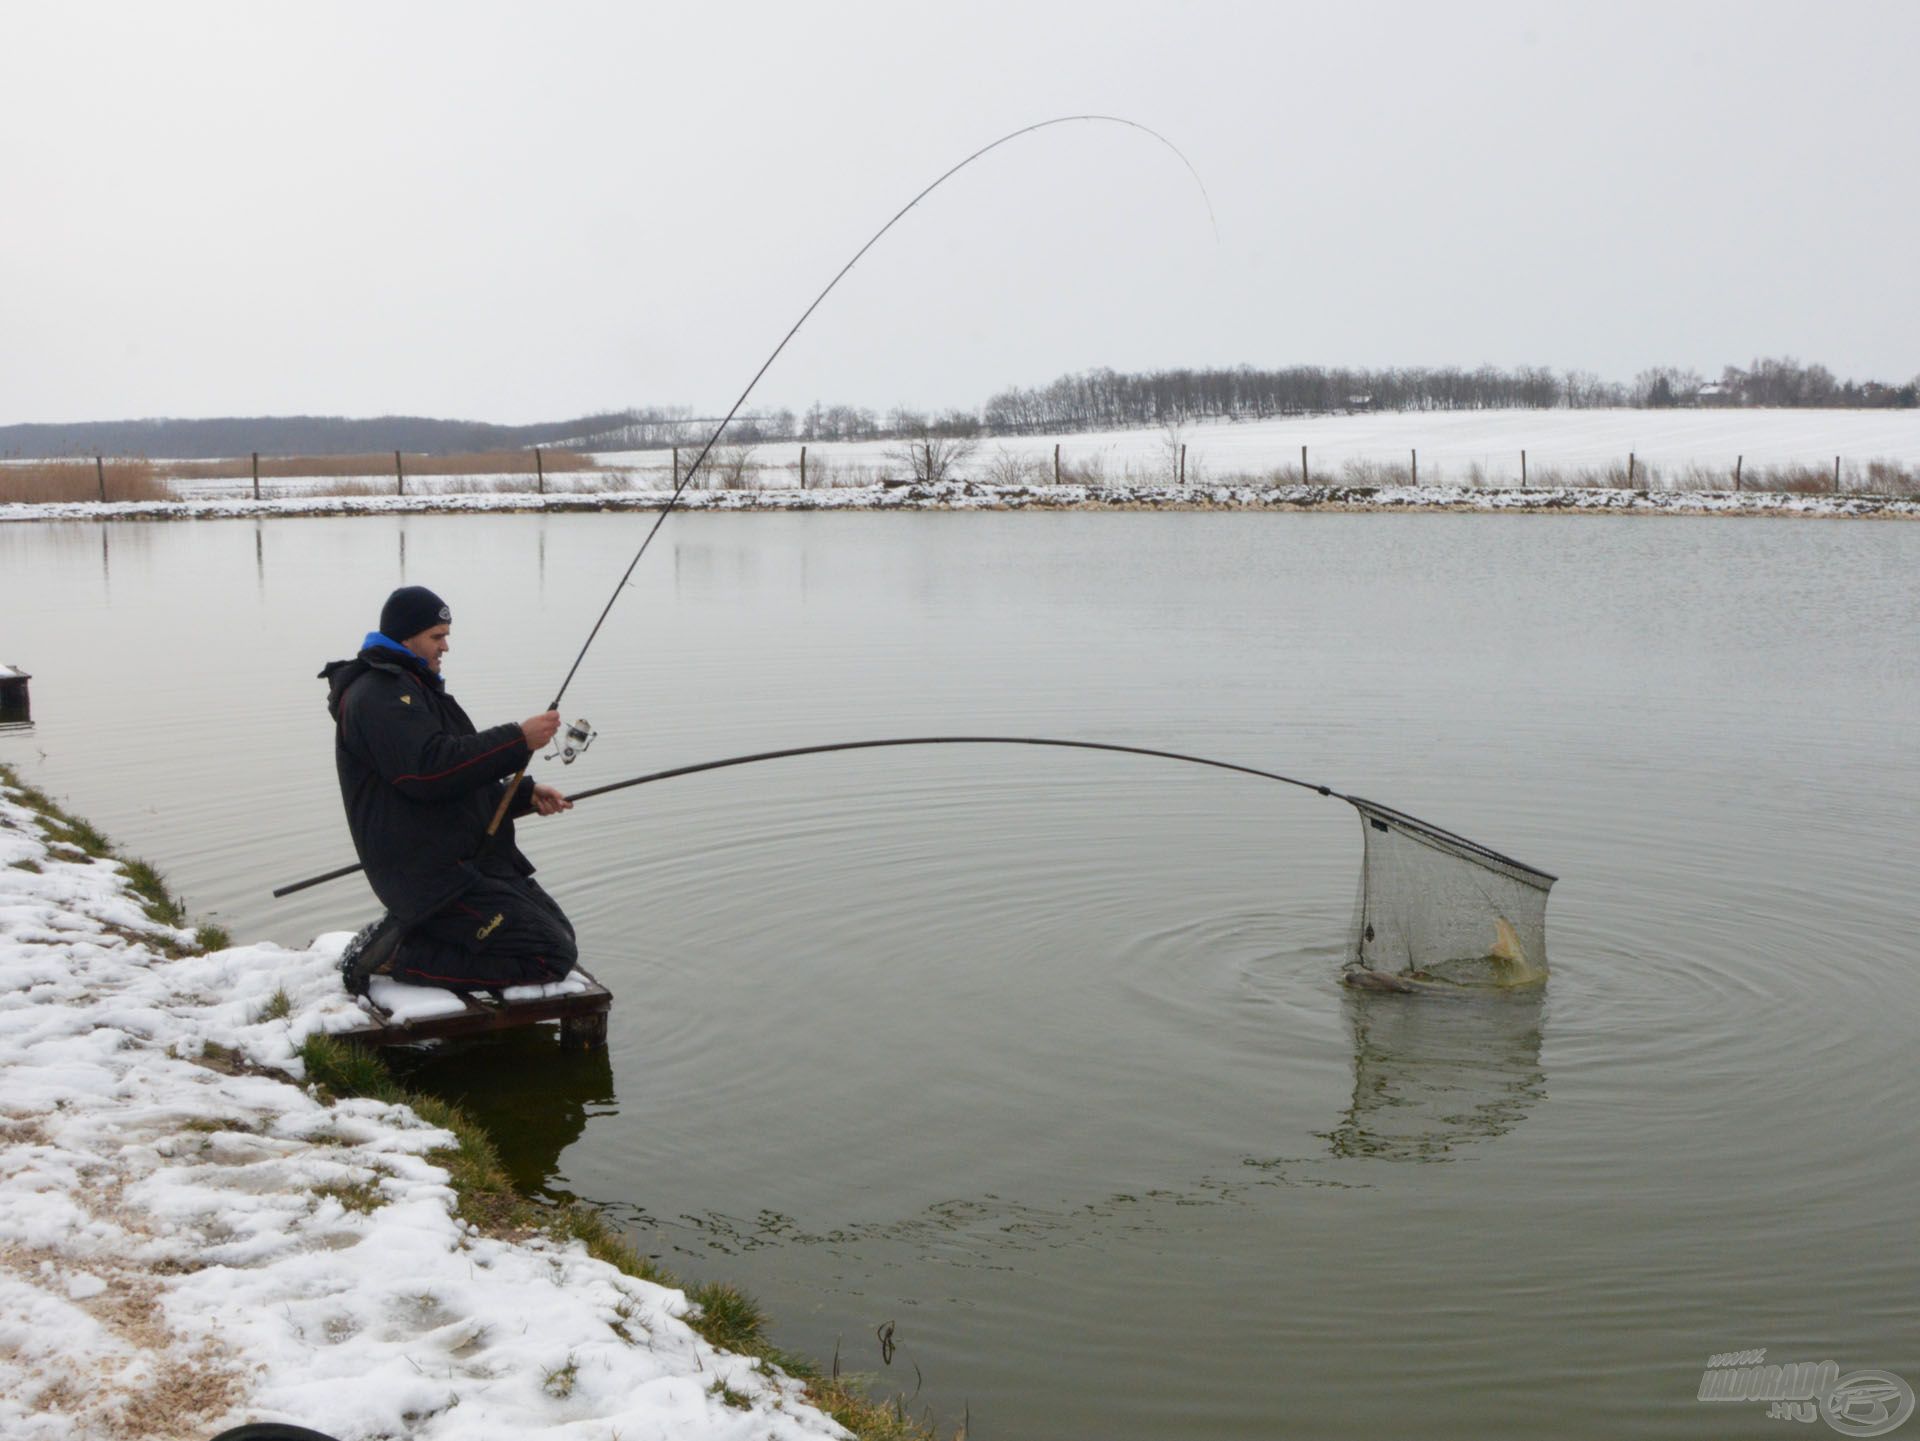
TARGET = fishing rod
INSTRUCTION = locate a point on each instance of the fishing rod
(680, 486)
(815, 750)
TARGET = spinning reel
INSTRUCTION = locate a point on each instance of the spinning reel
(572, 742)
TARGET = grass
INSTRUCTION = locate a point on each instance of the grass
(48, 481)
(558, 1383)
(279, 1006)
(147, 884)
(361, 1197)
(726, 1317)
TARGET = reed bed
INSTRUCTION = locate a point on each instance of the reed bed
(299, 467)
(44, 481)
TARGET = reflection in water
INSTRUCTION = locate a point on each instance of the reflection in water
(1433, 1072)
(531, 1095)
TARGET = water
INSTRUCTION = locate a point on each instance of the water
(1040, 1055)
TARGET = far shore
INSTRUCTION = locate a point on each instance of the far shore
(969, 496)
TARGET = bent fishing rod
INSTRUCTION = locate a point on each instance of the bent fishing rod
(862, 745)
(681, 485)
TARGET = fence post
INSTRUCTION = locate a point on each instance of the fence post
(1737, 461)
(927, 447)
(539, 472)
(399, 476)
(676, 467)
(1415, 475)
(1303, 466)
(1629, 470)
(1183, 463)
(1056, 462)
(256, 475)
(100, 471)
(1523, 470)
(803, 467)
(1836, 475)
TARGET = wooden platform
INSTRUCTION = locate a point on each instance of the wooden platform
(582, 1016)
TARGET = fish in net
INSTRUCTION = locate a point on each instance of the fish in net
(1436, 909)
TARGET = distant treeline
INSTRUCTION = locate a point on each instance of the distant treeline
(1105, 399)
(289, 435)
(1093, 400)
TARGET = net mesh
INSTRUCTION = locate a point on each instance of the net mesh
(1436, 906)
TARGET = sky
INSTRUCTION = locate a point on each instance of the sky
(515, 213)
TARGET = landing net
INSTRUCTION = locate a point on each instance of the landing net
(1437, 906)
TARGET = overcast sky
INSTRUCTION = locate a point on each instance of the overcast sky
(519, 212)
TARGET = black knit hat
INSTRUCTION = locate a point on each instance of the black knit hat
(410, 610)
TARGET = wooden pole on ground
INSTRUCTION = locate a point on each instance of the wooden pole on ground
(1737, 461)
(1629, 470)
(1056, 462)
(1523, 470)
(1416, 466)
(256, 475)
(399, 476)
(1836, 475)
(1303, 466)
(803, 467)
(926, 447)
(676, 467)
(1183, 464)
(539, 472)
(100, 471)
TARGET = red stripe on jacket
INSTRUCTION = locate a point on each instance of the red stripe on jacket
(440, 775)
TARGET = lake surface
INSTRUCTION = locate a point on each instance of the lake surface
(1040, 1056)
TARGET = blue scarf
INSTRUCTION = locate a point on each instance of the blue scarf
(376, 640)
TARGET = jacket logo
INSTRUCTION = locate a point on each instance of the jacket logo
(489, 928)
(406, 700)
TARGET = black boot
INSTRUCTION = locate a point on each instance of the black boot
(370, 953)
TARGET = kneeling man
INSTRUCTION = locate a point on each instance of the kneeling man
(420, 785)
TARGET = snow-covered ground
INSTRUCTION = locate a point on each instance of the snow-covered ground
(185, 1241)
(963, 495)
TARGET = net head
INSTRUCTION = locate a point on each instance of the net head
(1440, 908)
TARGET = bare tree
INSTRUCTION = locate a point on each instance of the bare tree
(932, 458)
(1173, 445)
(729, 467)
(1007, 468)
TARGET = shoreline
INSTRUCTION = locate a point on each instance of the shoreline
(968, 496)
(211, 1212)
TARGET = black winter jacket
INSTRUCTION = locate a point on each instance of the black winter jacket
(419, 783)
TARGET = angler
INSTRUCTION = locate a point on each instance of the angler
(420, 783)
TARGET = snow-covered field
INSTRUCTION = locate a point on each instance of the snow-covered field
(1450, 445)
(1455, 448)
(185, 1243)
